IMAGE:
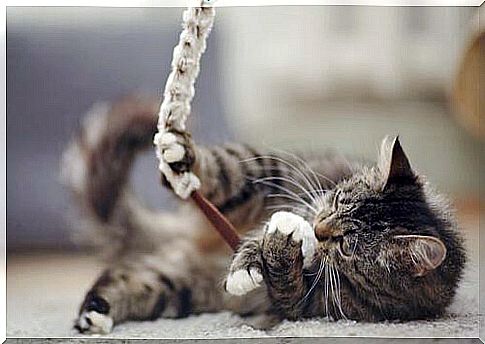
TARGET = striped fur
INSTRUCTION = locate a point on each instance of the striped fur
(174, 264)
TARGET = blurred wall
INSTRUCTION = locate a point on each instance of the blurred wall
(346, 76)
(286, 77)
(59, 62)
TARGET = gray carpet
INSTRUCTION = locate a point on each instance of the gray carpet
(45, 291)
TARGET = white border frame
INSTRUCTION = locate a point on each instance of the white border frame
(224, 3)
(144, 3)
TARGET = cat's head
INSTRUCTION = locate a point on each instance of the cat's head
(388, 233)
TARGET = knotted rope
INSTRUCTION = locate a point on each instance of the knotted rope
(176, 107)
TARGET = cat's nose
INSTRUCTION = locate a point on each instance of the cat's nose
(325, 231)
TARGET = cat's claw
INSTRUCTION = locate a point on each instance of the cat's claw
(300, 230)
(241, 282)
(94, 322)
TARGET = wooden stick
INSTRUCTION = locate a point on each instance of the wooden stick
(219, 221)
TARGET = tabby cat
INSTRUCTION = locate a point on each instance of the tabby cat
(322, 236)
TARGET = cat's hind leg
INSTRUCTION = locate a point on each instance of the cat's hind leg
(146, 287)
(127, 293)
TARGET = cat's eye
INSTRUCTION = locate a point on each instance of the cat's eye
(345, 250)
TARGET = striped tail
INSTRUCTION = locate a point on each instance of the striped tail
(96, 167)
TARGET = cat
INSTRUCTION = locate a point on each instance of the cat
(322, 236)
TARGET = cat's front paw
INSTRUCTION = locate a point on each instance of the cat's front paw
(245, 272)
(177, 150)
(243, 281)
(177, 157)
(289, 234)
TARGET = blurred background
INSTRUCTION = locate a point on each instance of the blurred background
(287, 77)
(297, 77)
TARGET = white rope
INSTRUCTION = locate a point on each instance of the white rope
(179, 90)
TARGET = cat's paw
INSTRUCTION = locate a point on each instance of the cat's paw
(291, 226)
(177, 157)
(242, 281)
(176, 150)
(245, 272)
(173, 150)
(94, 322)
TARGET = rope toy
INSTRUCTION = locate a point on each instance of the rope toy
(175, 108)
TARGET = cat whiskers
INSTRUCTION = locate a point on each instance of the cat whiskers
(332, 286)
(298, 198)
(308, 167)
(292, 167)
(289, 207)
(301, 161)
(280, 195)
(312, 182)
(294, 183)
(326, 292)
(315, 281)
(337, 297)
(331, 281)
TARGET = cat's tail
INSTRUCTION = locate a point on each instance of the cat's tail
(96, 168)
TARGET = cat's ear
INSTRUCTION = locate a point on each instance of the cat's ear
(425, 253)
(393, 163)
